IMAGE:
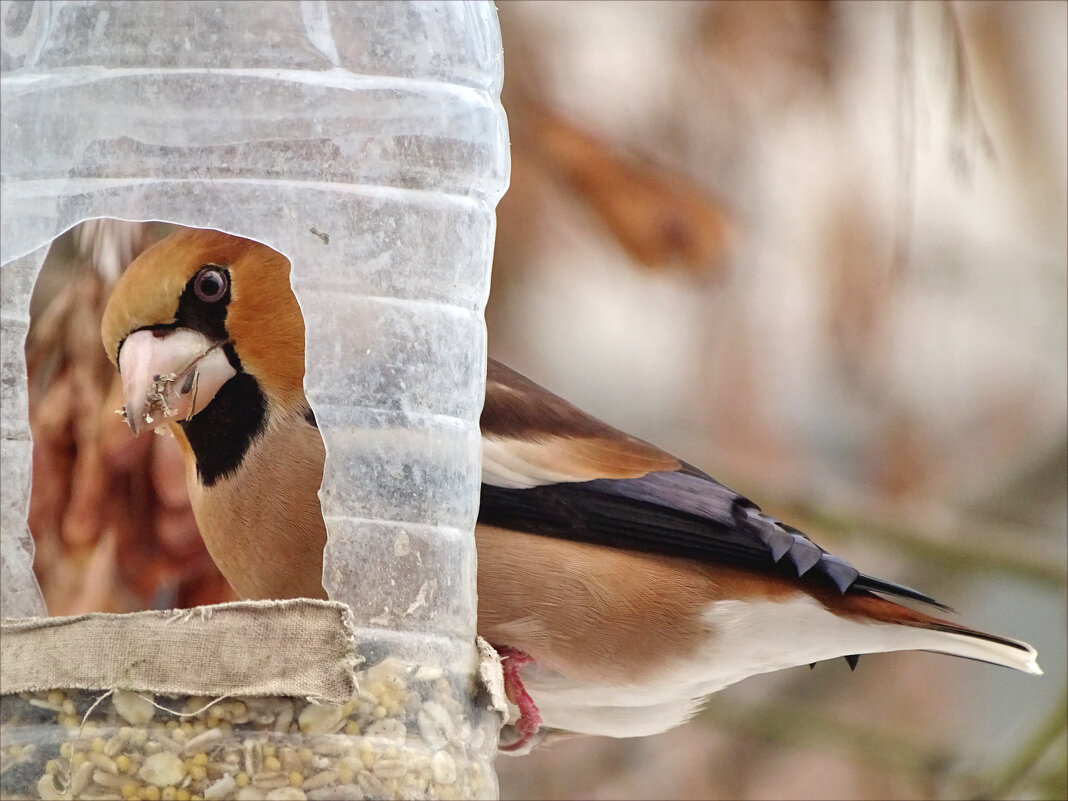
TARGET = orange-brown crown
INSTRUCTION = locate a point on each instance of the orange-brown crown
(263, 319)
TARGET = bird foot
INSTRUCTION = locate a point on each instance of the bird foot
(529, 718)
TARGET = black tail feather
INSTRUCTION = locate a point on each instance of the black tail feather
(864, 582)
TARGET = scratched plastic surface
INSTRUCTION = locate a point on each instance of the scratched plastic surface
(365, 141)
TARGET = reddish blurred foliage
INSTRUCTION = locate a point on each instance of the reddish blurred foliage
(108, 512)
(662, 219)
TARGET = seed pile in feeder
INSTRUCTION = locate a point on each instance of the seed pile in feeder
(404, 735)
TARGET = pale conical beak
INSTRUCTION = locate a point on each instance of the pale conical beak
(169, 375)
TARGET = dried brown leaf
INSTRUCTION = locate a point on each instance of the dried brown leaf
(660, 218)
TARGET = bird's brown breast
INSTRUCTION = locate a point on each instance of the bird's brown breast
(263, 526)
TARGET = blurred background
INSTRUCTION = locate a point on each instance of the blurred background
(818, 249)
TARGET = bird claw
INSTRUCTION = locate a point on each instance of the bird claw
(529, 721)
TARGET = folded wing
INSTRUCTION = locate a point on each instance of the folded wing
(551, 469)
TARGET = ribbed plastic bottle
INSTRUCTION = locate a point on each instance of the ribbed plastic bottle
(367, 143)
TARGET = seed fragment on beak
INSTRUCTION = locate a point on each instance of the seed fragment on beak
(170, 377)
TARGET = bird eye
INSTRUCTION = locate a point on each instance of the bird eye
(211, 284)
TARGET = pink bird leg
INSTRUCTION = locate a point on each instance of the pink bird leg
(529, 718)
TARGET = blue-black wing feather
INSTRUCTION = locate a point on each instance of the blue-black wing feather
(683, 513)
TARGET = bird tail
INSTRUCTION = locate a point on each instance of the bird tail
(950, 638)
(912, 629)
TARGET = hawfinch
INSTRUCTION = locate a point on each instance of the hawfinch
(620, 584)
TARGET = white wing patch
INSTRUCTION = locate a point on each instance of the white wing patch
(515, 463)
(512, 464)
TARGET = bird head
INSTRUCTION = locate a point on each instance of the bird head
(201, 313)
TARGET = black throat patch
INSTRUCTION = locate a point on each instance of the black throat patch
(225, 429)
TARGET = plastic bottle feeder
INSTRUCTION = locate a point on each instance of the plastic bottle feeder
(366, 142)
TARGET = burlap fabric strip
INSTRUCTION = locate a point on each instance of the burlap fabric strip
(302, 648)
